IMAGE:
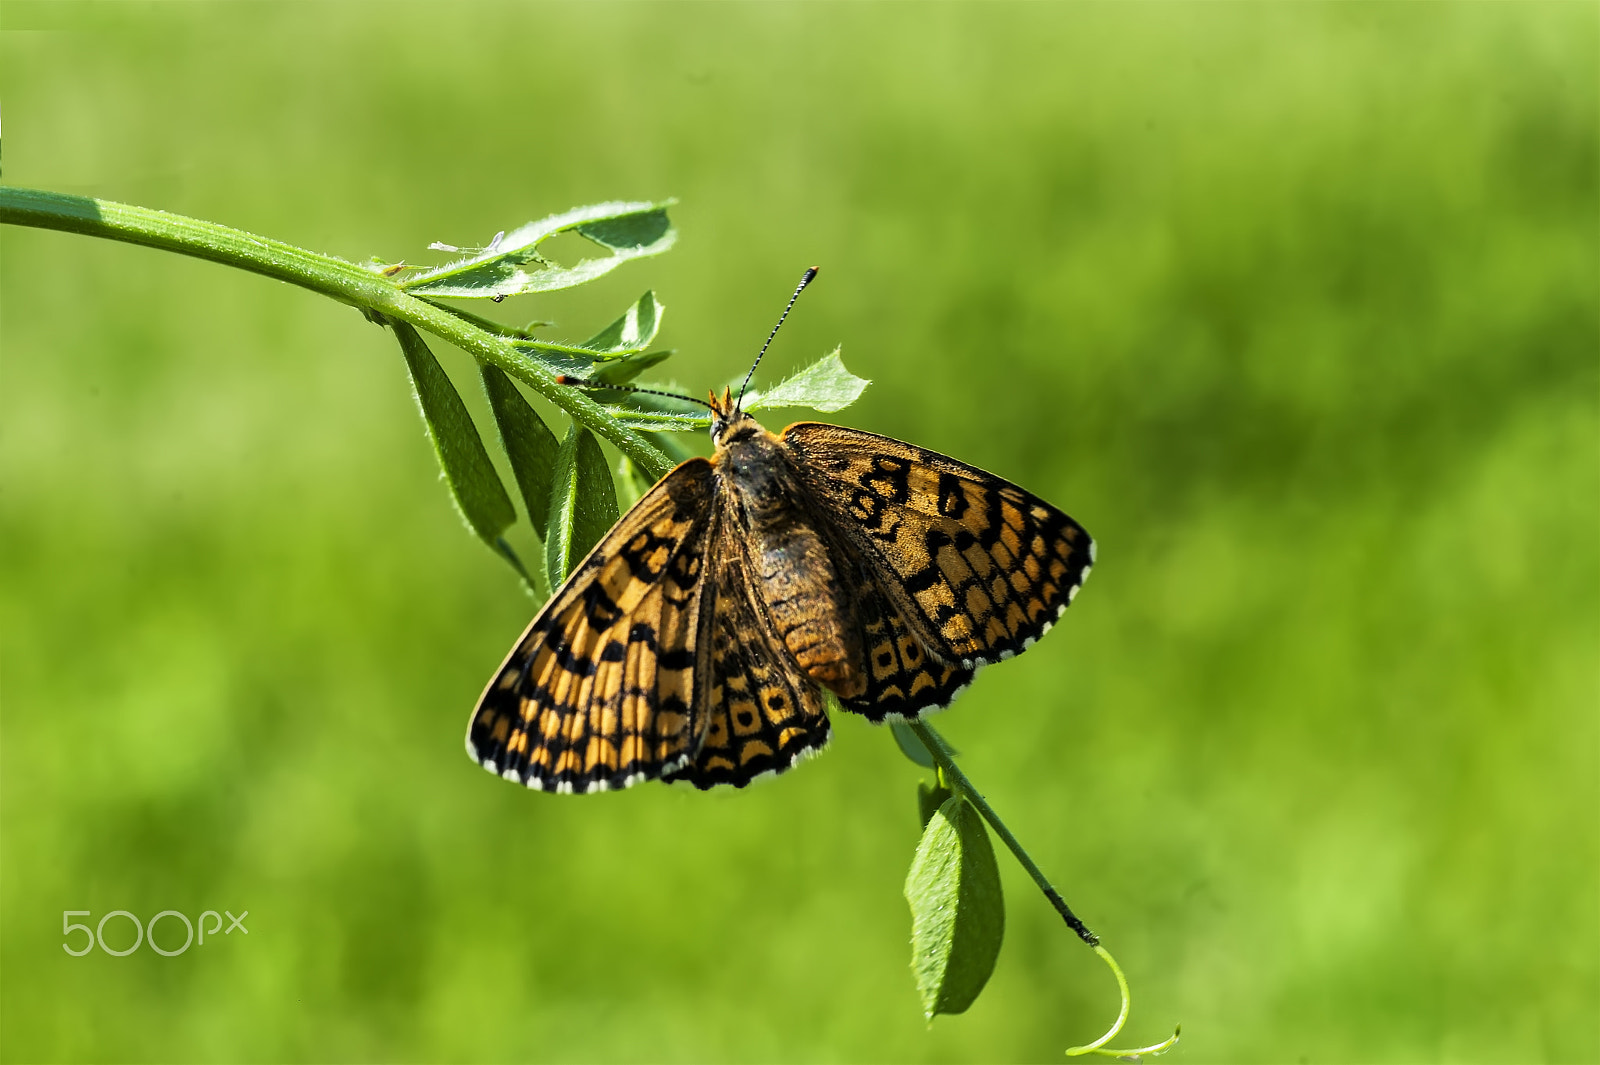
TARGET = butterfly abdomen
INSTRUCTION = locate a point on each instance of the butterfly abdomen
(808, 606)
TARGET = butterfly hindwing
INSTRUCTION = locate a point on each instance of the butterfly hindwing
(903, 677)
(762, 714)
(600, 692)
(978, 566)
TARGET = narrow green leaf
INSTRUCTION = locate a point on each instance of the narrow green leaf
(957, 912)
(929, 798)
(626, 230)
(911, 747)
(532, 578)
(621, 371)
(474, 485)
(632, 483)
(627, 484)
(631, 333)
(583, 503)
(528, 442)
(658, 421)
(632, 230)
(560, 348)
(627, 336)
(555, 361)
(825, 385)
(675, 448)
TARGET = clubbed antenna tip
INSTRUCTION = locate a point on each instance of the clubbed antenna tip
(806, 279)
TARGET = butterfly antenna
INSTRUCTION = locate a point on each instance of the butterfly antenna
(578, 382)
(810, 274)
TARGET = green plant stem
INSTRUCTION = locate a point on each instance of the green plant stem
(943, 755)
(347, 282)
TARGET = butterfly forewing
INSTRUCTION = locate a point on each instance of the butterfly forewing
(979, 567)
(601, 690)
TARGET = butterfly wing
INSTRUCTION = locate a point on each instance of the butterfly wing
(902, 678)
(600, 691)
(762, 714)
(978, 567)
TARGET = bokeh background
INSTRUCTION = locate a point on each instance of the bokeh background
(1294, 307)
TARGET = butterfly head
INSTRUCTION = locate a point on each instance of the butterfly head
(729, 424)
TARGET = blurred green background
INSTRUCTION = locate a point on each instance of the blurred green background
(1294, 307)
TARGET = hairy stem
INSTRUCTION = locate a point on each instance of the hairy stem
(945, 757)
(347, 282)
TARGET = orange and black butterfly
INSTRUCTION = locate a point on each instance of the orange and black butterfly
(696, 640)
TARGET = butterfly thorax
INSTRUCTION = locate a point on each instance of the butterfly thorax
(791, 571)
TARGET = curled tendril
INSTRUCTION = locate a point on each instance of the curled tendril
(1099, 1045)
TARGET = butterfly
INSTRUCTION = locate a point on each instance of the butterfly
(698, 638)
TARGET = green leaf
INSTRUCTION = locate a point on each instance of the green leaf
(929, 798)
(627, 484)
(474, 485)
(626, 230)
(658, 421)
(556, 361)
(675, 449)
(621, 371)
(537, 587)
(583, 503)
(957, 913)
(633, 230)
(528, 443)
(626, 336)
(632, 483)
(825, 385)
(568, 348)
(912, 747)
(631, 333)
